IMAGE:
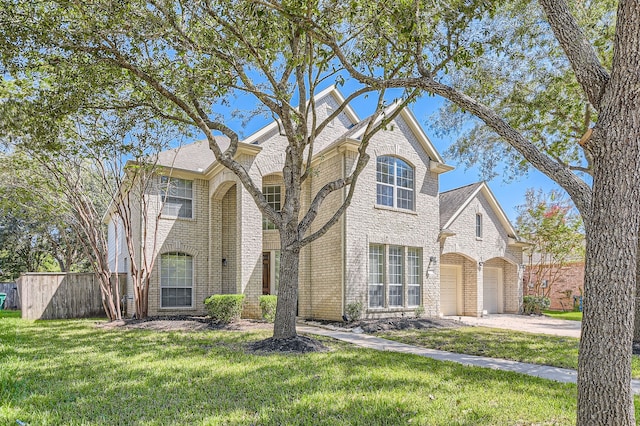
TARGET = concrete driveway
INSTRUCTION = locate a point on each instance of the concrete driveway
(527, 323)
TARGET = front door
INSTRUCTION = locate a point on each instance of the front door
(266, 272)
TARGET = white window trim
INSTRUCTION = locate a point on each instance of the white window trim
(369, 285)
(163, 196)
(419, 257)
(264, 218)
(395, 187)
(402, 284)
(386, 278)
(479, 224)
(193, 281)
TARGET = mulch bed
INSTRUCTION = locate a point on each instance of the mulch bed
(298, 344)
(295, 345)
(387, 324)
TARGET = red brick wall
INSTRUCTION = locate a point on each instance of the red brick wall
(570, 278)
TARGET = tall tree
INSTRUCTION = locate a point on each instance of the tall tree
(178, 61)
(557, 94)
(35, 228)
(550, 223)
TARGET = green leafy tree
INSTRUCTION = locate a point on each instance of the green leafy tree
(551, 84)
(35, 232)
(550, 223)
(63, 196)
(180, 62)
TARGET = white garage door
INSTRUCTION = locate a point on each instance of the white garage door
(491, 294)
(449, 290)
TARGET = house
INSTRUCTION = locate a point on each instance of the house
(480, 254)
(389, 251)
(561, 282)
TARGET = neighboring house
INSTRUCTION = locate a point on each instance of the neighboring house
(563, 284)
(481, 256)
(384, 252)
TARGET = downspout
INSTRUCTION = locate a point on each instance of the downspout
(344, 235)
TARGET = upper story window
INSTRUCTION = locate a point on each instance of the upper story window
(478, 225)
(177, 196)
(273, 195)
(395, 183)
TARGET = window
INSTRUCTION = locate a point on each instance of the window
(478, 225)
(395, 276)
(376, 276)
(272, 194)
(392, 269)
(176, 280)
(394, 183)
(177, 196)
(414, 273)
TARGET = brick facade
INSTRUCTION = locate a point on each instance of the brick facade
(495, 248)
(569, 282)
(226, 240)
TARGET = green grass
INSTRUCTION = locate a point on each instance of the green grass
(69, 372)
(569, 315)
(497, 343)
(10, 314)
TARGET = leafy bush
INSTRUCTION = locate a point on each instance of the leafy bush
(354, 311)
(225, 308)
(419, 311)
(268, 305)
(535, 304)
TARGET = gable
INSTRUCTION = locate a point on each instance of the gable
(273, 143)
(407, 122)
(455, 202)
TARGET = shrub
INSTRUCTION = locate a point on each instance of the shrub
(354, 311)
(225, 308)
(268, 305)
(419, 311)
(535, 304)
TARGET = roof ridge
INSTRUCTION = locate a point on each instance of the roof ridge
(464, 186)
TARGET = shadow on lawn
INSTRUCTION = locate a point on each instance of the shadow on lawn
(66, 372)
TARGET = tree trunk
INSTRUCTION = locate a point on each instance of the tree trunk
(285, 322)
(636, 327)
(604, 364)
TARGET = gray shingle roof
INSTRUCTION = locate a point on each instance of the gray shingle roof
(452, 200)
(195, 156)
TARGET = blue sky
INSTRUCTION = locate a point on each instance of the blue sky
(509, 194)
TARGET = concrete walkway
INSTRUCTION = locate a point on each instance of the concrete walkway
(530, 324)
(367, 341)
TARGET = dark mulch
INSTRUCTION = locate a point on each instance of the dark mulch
(185, 323)
(298, 344)
(385, 324)
(375, 326)
(636, 348)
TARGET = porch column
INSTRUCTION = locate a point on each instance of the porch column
(249, 250)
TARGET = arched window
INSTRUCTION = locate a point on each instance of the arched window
(395, 183)
(176, 280)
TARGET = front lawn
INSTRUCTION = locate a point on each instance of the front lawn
(568, 315)
(69, 372)
(497, 343)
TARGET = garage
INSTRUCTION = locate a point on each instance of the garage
(492, 293)
(450, 289)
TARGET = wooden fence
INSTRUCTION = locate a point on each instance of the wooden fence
(11, 290)
(60, 295)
